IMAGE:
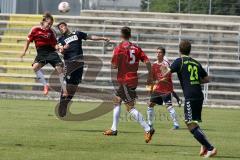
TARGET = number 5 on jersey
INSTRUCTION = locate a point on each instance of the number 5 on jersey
(132, 57)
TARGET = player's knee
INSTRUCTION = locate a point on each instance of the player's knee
(35, 67)
(191, 125)
(151, 104)
(59, 69)
(116, 100)
(168, 104)
(169, 107)
(129, 106)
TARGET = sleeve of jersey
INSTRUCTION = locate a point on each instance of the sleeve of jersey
(82, 35)
(202, 72)
(143, 56)
(176, 65)
(31, 34)
(115, 58)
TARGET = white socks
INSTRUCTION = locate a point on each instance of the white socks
(171, 110)
(150, 115)
(116, 116)
(40, 77)
(173, 115)
(139, 118)
(62, 81)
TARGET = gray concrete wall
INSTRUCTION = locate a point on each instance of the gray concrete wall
(31, 7)
(8, 6)
(127, 5)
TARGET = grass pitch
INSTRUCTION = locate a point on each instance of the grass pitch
(29, 130)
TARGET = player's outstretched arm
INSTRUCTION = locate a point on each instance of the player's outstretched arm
(97, 38)
(25, 48)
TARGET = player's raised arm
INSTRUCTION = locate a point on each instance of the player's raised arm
(29, 40)
(25, 48)
(98, 38)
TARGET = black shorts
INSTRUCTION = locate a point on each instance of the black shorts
(47, 55)
(74, 72)
(159, 98)
(127, 94)
(193, 110)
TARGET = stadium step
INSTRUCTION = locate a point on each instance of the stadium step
(167, 16)
(150, 52)
(155, 29)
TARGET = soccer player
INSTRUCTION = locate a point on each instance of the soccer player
(126, 57)
(162, 90)
(45, 42)
(70, 45)
(191, 75)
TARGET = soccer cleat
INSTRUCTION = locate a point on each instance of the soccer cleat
(45, 90)
(175, 127)
(110, 133)
(203, 151)
(211, 153)
(148, 135)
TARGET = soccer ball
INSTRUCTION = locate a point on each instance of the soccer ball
(64, 7)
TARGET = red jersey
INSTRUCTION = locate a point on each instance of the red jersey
(126, 57)
(42, 37)
(158, 72)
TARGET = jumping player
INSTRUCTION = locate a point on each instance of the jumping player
(126, 57)
(45, 42)
(70, 45)
(191, 75)
(162, 90)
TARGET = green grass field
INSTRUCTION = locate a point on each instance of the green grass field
(29, 130)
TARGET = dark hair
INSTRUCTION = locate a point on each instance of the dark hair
(185, 47)
(47, 15)
(126, 32)
(162, 49)
(58, 25)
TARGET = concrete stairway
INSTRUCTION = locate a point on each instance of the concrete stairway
(149, 32)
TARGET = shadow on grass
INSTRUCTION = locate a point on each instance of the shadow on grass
(227, 157)
(101, 131)
(174, 145)
(87, 130)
